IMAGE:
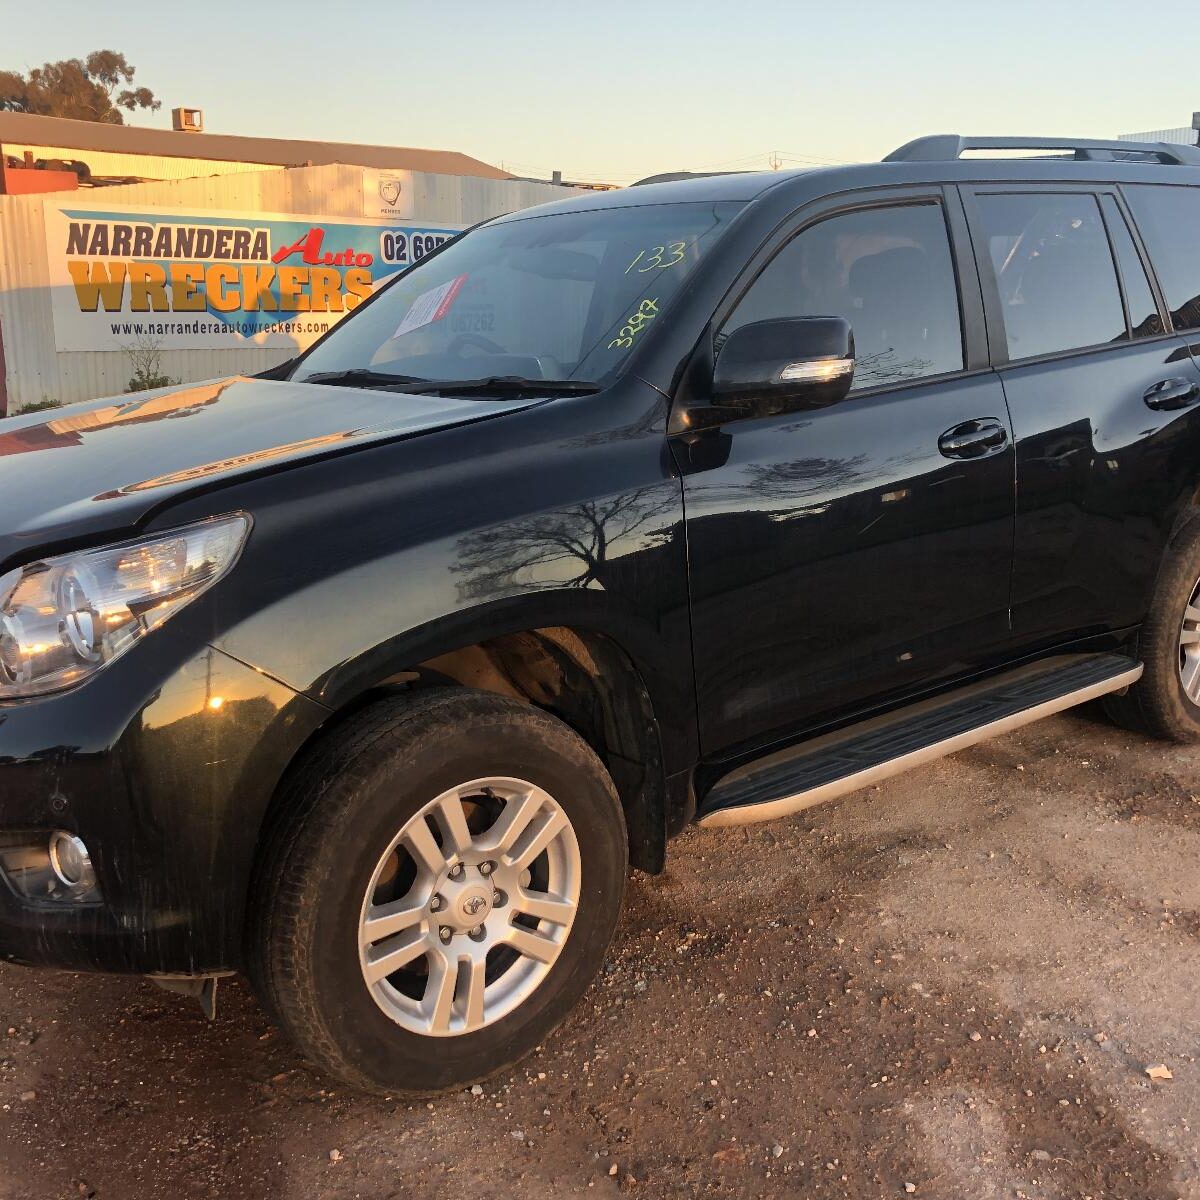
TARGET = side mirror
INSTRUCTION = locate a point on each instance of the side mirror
(784, 365)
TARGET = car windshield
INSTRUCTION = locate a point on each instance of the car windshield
(565, 296)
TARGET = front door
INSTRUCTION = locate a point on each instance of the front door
(846, 555)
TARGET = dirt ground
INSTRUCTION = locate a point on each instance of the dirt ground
(948, 986)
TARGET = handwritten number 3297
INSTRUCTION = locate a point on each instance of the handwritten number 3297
(659, 257)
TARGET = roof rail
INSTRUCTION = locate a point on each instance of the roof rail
(677, 176)
(940, 147)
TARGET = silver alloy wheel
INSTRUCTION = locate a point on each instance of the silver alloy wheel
(1189, 647)
(469, 907)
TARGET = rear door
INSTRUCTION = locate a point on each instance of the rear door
(843, 555)
(1085, 355)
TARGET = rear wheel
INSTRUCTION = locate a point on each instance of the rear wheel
(442, 889)
(1165, 702)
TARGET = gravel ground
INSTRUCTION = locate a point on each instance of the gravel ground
(948, 986)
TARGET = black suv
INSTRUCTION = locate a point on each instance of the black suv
(702, 500)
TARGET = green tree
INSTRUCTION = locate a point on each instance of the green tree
(95, 88)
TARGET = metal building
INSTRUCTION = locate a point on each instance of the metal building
(226, 255)
(1180, 136)
(100, 153)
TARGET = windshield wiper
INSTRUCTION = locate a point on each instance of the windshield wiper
(361, 377)
(504, 385)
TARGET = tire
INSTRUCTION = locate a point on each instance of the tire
(1159, 703)
(335, 860)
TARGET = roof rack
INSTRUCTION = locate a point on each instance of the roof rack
(676, 176)
(940, 147)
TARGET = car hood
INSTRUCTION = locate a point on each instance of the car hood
(75, 472)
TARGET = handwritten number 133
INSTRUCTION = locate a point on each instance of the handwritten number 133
(658, 257)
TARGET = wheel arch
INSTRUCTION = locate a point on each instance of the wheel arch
(1186, 511)
(577, 673)
(591, 684)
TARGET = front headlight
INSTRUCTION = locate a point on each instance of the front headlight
(65, 618)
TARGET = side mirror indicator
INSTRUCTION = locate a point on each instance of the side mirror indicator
(820, 371)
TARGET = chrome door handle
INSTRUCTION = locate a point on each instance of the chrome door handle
(973, 439)
(1170, 394)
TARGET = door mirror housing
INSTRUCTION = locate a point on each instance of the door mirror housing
(784, 365)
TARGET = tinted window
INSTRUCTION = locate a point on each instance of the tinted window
(888, 272)
(1169, 220)
(1139, 299)
(1055, 272)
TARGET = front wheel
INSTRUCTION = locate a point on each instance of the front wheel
(442, 887)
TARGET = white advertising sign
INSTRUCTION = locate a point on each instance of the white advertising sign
(388, 195)
(183, 280)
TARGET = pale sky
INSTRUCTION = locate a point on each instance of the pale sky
(613, 91)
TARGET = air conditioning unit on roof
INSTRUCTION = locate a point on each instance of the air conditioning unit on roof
(187, 120)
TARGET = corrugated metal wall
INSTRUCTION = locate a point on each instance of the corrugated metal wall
(36, 371)
(140, 166)
(1176, 137)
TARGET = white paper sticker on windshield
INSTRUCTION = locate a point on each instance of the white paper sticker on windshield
(430, 306)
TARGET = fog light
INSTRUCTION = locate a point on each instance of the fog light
(70, 861)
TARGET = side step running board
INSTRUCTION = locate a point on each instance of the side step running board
(863, 754)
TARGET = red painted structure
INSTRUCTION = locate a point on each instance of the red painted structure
(27, 180)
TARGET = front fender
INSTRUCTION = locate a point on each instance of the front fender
(567, 515)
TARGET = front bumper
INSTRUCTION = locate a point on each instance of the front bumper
(167, 779)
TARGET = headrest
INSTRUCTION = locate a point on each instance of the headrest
(888, 272)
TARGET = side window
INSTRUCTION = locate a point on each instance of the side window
(1054, 271)
(1169, 221)
(888, 271)
(1144, 320)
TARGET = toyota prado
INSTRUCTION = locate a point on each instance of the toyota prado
(700, 501)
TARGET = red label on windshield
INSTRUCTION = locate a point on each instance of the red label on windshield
(448, 299)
